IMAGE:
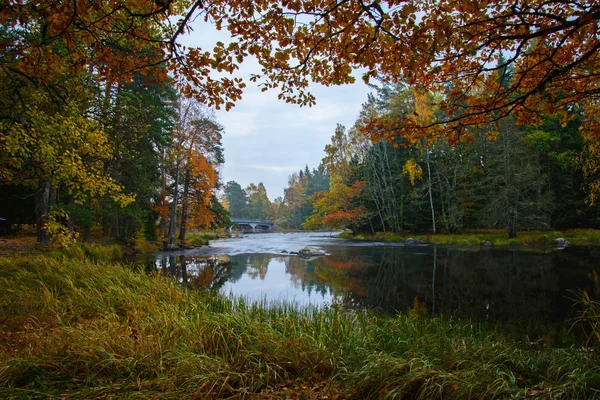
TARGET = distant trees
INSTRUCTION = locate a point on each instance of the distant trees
(258, 201)
(237, 200)
(502, 175)
(252, 202)
(294, 208)
(338, 208)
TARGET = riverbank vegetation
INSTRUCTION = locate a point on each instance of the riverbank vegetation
(495, 237)
(77, 324)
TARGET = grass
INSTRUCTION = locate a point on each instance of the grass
(142, 246)
(77, 325)
(577, 237)
(202, 238)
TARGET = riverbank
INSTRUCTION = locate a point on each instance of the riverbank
(26, 244)
(493, 237)
(78, 324)
(193, 239)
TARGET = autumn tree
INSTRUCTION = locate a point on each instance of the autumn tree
(50, 147)
(339, 207)
(258, 202)
(294, 199)
(195, 155)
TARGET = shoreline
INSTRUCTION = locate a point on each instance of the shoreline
(487, 238)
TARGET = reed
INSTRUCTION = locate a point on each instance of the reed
(78, 326)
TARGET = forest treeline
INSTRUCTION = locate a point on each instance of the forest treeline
(134, 160)
(97, 130)
(288, 211)
(503, 175)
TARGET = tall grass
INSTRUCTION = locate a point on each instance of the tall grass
(589, 317)
(74, 327)
(497, 237)
(202, 238)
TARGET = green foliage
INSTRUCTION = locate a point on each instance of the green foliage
(237, 200)
(259, 205)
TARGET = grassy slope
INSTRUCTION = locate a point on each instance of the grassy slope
(577, 237)
(73, 328)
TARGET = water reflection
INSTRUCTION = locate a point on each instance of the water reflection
(491, 284)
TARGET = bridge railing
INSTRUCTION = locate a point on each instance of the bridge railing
(247, 221)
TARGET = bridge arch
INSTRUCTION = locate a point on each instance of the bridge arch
(246, 225)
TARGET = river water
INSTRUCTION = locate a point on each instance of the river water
(523, 286)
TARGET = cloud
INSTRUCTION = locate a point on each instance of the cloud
(277, 169)
(267, 139)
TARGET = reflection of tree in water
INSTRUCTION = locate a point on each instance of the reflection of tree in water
(494, 284)
(195, 272)
(302, 276)
(254, 265)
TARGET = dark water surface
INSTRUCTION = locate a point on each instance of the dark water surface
(496, 284)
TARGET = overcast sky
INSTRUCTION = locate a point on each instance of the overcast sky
(266, 139)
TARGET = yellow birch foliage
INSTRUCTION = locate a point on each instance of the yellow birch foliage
(413, 170)
(65, 148)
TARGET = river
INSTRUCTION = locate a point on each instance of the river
(519, 285)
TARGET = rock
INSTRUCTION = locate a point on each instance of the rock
(284, 251)
(412, 241)
(308, 253)
(487, 243)
(561, 242)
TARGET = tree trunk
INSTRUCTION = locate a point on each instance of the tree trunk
(512, 231)
(42, 200)
(184, 206)
(430, 191)
(71, 221)
(445, 216)
(173, 219)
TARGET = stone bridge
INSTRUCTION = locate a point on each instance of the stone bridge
(251, 226)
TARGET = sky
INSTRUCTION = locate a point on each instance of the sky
(266, 139)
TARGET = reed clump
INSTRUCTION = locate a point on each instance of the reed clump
(203, 238)
(86, 327)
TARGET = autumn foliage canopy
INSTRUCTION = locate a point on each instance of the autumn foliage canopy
(446, 46)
